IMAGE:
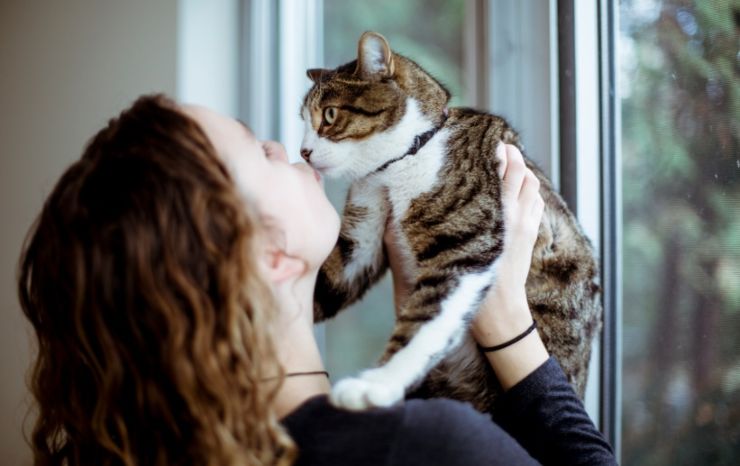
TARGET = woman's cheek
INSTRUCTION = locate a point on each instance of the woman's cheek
(337, 221)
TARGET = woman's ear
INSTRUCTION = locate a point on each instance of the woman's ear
(282, 267)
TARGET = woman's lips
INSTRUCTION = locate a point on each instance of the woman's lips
(316, 175)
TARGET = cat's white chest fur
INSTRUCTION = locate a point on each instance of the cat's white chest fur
(398, 184)
(415, 174)
(407, 179)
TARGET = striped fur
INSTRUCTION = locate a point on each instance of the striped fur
(444, 203)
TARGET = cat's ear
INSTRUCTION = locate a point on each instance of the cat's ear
(374, 57)
(315, 74)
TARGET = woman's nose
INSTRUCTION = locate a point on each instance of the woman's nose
(282, 155)
(277, 151)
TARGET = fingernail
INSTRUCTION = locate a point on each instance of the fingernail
(500, 150)
(501, 155)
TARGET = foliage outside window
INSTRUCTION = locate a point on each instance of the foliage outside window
(680, 98)
(680, 89)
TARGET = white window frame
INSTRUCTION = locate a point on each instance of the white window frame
(280, 40)
(208, 54)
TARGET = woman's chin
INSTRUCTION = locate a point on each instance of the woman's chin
(332, 237)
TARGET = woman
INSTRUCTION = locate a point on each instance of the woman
(169, 279)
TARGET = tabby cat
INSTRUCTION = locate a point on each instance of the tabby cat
(429, 173)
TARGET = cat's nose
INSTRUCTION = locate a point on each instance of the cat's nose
(306, 154)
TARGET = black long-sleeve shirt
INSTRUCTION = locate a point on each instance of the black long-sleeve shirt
(539, 421)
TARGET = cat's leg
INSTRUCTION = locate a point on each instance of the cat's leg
(358, 260)
(432, 322)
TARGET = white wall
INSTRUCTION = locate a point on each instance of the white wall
(65, 68)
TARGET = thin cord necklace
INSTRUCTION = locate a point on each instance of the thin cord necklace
(296, 374)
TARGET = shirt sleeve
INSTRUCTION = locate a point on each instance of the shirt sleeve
(546, 417)
(451, 433)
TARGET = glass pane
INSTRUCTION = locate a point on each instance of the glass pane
(355, 339)
(681, 189)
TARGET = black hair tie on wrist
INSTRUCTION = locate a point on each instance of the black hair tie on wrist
(489, 349)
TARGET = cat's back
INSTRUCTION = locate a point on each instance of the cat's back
(472, 139)
(465, 192)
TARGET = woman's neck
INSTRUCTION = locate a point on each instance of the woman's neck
(297, 348)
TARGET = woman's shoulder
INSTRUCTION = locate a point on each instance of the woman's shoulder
(442, 405)
(446, 418)
(444, 431)
(440, 413)
(413, 413)
(427, 414)
(318, 418)
(429, 432)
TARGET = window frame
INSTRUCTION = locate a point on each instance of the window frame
(595, 23)
(611, 225)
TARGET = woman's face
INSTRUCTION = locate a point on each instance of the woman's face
(290, 195)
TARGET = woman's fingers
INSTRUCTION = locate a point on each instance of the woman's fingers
(514, 175)
(502, 159)
(538, 208)
(530, 188)
(521, 197)
(520, 183)
(531, 204)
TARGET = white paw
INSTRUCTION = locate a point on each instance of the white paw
(366, 391)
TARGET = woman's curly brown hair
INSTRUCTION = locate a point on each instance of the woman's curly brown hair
(153, 326)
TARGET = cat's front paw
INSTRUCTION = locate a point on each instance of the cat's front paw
(368, 390)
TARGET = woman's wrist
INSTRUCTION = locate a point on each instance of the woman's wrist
(502, 318)
(515, 362)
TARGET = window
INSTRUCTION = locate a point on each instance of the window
(632, 108)
(503, 59)
(680, 102)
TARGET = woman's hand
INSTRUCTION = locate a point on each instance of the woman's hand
(505, 312)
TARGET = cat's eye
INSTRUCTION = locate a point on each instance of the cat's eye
(330, 115)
